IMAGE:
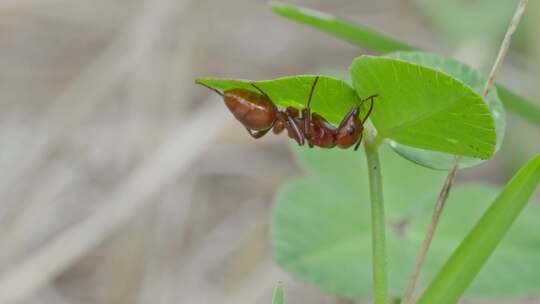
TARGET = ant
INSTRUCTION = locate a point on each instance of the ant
(259, 115)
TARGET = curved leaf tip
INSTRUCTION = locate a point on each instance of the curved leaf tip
(356, 34)
(288, 10)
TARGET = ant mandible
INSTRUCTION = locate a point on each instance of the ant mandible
(259, 115)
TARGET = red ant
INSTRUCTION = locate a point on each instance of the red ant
(259, 115)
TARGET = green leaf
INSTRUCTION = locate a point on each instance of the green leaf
(321, 227)
(332, 98)
(356, 34)
(465, 206)
(472, 78)
(405, 195)
(425, 108)
(321, 224)
(278, 295)
(473, 252)
(364, 36)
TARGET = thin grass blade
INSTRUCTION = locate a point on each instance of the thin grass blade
(468, 259)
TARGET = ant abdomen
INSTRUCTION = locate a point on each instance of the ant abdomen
(255, 111)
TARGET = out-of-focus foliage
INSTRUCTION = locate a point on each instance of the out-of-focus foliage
(484, 20)
(341, 28)
(278, 295)
(480, 20)
(321, 227)
(521, 251)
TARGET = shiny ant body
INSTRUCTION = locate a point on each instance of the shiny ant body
(259, 115)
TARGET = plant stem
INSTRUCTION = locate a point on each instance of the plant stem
(505, 45)
(441, 202)
(407, 298)
(380, 274)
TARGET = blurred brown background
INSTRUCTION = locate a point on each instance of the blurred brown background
(123, 182)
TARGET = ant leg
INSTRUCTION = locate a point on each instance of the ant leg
(285, 120)
(306, 113)
(259, 89)
(257, 134)
(359, 141)
(279, 126)
(299, 136)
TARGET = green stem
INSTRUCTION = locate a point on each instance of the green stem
(380, 274)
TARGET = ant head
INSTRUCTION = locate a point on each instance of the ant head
(349, 131)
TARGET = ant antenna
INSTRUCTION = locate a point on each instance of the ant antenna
(371, 98)
(357, 145)
(259, 89)
(208, 87)
(312, 90)
(368, 98)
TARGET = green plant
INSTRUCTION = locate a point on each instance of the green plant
(278, 295)
(321, 227)
(364, 36)
(435, 112)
